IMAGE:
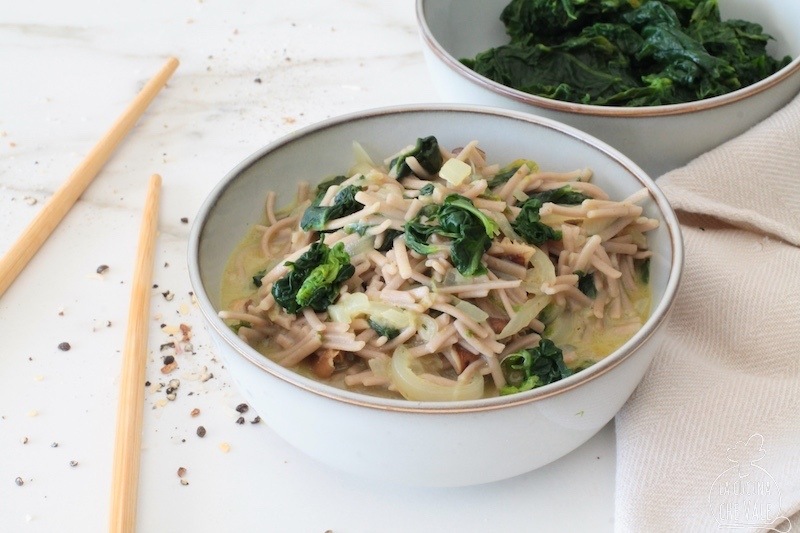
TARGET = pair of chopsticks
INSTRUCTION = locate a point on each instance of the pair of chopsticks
(129, 410)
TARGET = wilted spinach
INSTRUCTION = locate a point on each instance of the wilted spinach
(505, 173)
(427, 190)
(617, 52)
(642, 267)
(388, 240)
(344, 203)
(314, 279)
(528, 224)
(586, 284)
(382, 330)
(533, 367)
(425, 151)
(458, 219)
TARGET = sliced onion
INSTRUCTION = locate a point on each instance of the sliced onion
(542, 270)
(416, 388)
(348, 307)
(527, 312)
(593, 226)
(453, 278)
(380, 367)
(428, 327)
(520, 195)
(364, 162)
(471, 310)
(361, 246)
(391, 316)
(563, 329)
(504, 225)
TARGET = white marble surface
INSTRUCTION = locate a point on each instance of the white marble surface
(68, 69)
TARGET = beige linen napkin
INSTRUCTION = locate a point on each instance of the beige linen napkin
(710, 440)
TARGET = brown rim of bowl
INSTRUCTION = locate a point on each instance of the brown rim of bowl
(595, 110)
(655, 320)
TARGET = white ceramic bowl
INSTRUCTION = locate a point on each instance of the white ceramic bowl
(658, 138)
(428, 443)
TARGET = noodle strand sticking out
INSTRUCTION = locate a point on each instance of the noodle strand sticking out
(439, 276)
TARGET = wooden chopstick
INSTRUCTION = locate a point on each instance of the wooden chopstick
(65, 196)
(125, 481)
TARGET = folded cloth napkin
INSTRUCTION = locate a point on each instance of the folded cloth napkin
(710, 440)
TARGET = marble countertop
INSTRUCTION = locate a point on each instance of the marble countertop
(250, 73)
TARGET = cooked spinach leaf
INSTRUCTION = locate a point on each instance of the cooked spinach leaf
(505, 173)
(388, 240)
(420, 228)
(314, 279)
(239, 325)
(528, 224)
(425, 151)
(323, 187)
(565, 195)
(427, 190)
(642, 267)
(469, 229)
(383, 331)
(619, 52)
(344, 203)
(258, 277)
(586, 284)
(533, 367)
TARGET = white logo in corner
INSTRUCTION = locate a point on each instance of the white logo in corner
(745, 495)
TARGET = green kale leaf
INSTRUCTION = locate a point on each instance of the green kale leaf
(314, 279)
(533, 367)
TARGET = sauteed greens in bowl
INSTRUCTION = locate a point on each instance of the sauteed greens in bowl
(626, 53)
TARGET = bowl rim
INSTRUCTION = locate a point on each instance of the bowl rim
(262, 363)
(596, 110)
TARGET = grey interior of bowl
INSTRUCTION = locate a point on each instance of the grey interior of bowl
(328, 151)
(467, 27)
